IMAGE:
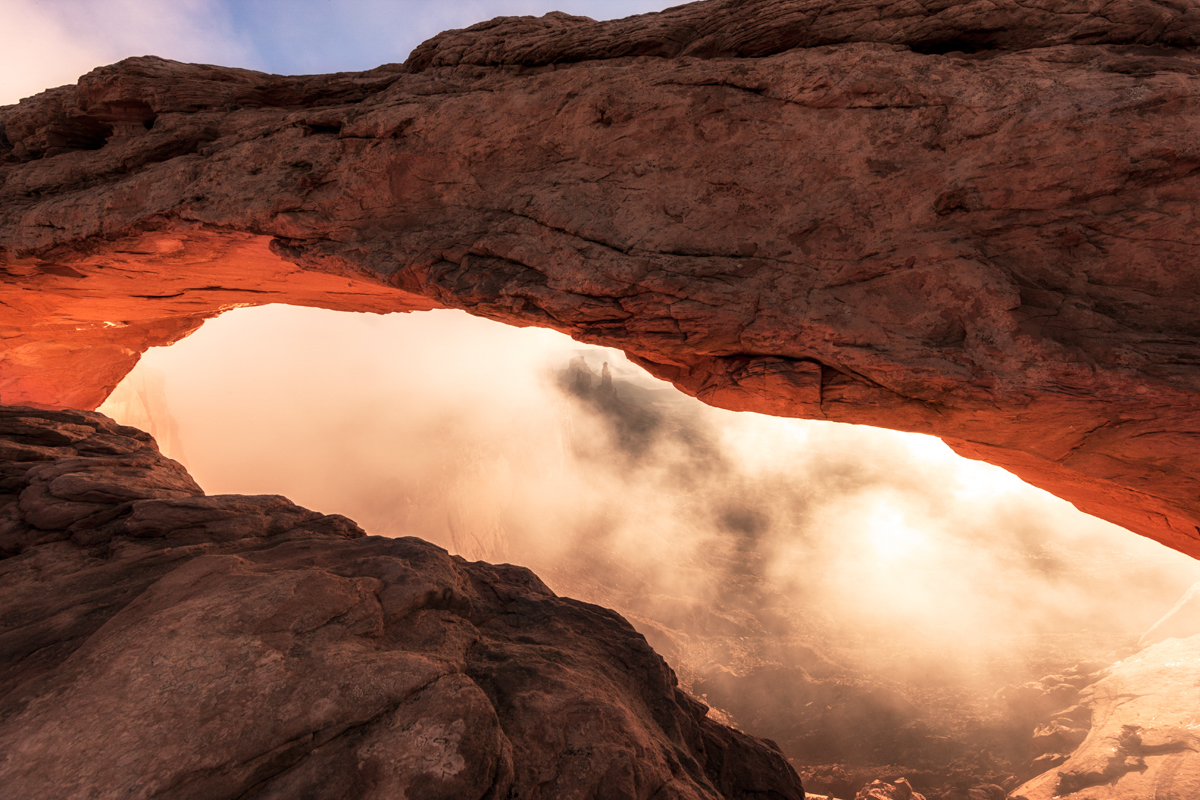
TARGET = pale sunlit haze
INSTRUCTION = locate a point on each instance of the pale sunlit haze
(460, 430)
(467, 433)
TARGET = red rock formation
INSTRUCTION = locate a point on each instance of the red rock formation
(158, 642)
(972, 220)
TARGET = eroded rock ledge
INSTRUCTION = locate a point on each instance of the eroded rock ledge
(159, 642)
(972, 220)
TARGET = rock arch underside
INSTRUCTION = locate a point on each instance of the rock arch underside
(973, 220)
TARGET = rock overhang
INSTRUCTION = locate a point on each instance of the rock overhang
(976, 223)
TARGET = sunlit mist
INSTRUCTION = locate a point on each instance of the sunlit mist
(480, 438)
(740, 545)
(856, 594)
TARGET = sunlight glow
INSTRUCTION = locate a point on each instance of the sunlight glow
(889, 534)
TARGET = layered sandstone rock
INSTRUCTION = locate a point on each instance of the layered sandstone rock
(1132, 733)
(973, 220)
(159, 642)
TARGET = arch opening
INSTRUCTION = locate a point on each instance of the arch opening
(853, 593)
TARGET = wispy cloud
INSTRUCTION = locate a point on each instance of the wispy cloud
(47, 43)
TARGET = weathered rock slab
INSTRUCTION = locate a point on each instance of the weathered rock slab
(155, 641)
(1142, 741)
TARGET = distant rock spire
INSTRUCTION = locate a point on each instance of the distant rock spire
(606, 385)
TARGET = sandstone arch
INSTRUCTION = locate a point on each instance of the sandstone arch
(976, 223)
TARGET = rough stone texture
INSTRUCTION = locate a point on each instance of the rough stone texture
(1142, 741)
(898, 789)
(157, 642)
(977, 220)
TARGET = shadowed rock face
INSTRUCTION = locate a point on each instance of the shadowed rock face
(970, 220)
(157, 642)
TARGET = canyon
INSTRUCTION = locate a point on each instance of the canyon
(977, 221)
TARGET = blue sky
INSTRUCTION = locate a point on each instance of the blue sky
(46, 43)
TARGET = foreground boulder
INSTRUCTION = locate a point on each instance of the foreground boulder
(159, 642)
(974, 220)
(1130, 734)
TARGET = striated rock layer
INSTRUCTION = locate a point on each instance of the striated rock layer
(972, 220)
(157, 642)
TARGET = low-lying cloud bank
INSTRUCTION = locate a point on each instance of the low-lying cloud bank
(511, 445)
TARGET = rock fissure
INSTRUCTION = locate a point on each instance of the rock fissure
(571, 234)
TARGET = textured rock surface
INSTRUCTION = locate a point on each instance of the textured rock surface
(888, 790)
(973, 220)
(157, 642)
(1142, 740)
